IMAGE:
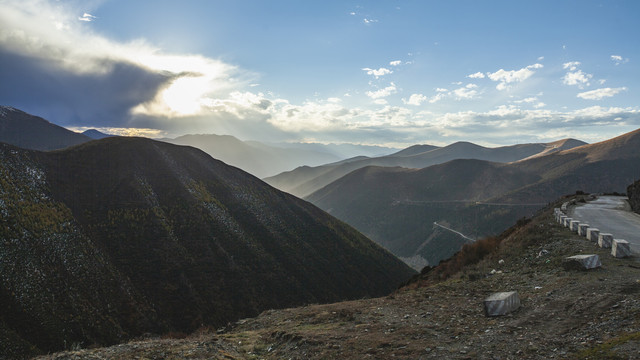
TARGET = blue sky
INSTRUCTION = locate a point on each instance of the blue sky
(370, 72)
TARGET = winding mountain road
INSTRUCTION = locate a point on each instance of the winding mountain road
(611, 214)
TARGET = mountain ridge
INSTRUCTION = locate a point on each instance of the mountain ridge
(112, 238)
(303, 182)
(474, 197)
(33, 132)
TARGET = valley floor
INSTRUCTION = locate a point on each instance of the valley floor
(564, 314)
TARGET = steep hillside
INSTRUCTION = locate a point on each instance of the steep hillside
(564, 314)
(302, 182)
(399, 208)
(253, 157)
(123, 236)
(31, 132)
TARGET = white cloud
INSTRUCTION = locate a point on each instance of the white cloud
(572, 65)
(439, 96)
(600, 94)
(477, 75)
(415, 99)
(87, 17)
(576, 78)
(466, 92)
(391, 89)
(369, 21)
(541, 58)
(617, 59)
(505, 77)
(528, 100)
(33, 29)
(209, 96)
(377, 72)
(395, 62)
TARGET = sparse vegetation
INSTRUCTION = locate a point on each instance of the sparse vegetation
(115, 238)
(564, 314)
(633, 191)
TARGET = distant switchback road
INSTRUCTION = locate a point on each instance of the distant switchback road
(611, 214)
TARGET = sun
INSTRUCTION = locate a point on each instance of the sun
(184, 96)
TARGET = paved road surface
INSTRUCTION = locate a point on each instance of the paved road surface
(611, 214)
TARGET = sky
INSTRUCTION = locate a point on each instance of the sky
(391, 73)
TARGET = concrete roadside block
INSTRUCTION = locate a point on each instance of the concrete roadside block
(581, 262)
(567, 221)
(604, 240)
(582, 229)
(561, 219)
(592, 234)
(501, 303)
(573, 226)
(620, 248)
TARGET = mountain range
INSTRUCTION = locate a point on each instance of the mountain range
(259, 159)
(305, 180)
(118, 237)
(32, 132)
(420, 213)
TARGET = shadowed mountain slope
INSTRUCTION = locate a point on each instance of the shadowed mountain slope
(565, 314)
(123, 236)
(409, 211)
(304, 181)
(32, 132)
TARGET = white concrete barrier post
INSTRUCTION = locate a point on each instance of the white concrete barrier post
(573, 225)
(604, 240)
(620, 248)
(582, 229)
(561, 219)
(582, 262)
(567, 221)
(501, 303)
(592, 234)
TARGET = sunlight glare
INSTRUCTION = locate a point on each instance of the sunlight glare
(184, 95)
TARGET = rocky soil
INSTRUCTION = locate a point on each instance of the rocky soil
(565, 314)
(633, 192)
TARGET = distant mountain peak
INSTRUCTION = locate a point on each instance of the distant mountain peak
(96, 134)
(28, 131)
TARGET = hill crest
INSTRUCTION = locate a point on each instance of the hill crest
(127, 236)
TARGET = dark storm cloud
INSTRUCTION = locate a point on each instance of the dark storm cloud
(40, 86)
